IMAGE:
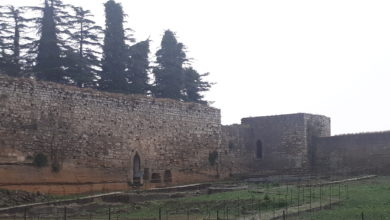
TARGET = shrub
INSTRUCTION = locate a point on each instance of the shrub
(213, 156)
(40, 160)
(55, 167)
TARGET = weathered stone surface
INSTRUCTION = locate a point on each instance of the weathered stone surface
(94, 136)
(97, 141)
(285, 142)
(365, 153)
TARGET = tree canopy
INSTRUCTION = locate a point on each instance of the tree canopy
(113, 76)
(174, 76)
(70, 48)
(169, 70)
(138, 68)
(48, 63)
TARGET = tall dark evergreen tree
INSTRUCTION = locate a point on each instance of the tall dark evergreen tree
(194, 85)
(81, 60)
(169, 70)
(17, 38)
(52, 28)
(48, 66)
(12, 25)
(138, 68)
(6, 65)
(5, 33)
(113, 77)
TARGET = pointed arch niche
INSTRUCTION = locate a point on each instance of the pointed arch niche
(136, 169)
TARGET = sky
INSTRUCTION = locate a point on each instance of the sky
(271, 57)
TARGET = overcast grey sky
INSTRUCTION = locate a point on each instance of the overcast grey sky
(278, 56)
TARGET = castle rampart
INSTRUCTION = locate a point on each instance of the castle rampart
(353, 154)
(101, 141)
(277, 144)
(97, 141)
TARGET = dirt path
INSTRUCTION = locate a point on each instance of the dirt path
(342, 181)
(291, 211)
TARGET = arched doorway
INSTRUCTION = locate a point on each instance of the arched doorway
(137, 174)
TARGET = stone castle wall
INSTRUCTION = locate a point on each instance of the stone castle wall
(284, 140)
(353, 154)
(316, 126)
(95, 136)
(237, 150)
(102, 141)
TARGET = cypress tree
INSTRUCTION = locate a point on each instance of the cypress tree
(194, 85)
(5, 32)
(16, 41)
(6, 65)
(169, 70)
(82, 61)
(113, 77)
(5, 35)
(48, 64)
(13, 26)
(138, 68)
(46, 54)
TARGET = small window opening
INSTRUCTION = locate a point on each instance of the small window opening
(156, 178)
(259, 149)
(167, 176)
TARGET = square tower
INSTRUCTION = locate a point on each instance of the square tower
(280, 143)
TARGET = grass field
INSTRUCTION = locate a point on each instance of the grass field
(370, 197)
(261, 198)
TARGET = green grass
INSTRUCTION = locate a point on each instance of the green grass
(372, 197)
(237, 203)
(359, 196)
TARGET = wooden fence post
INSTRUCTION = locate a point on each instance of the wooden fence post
(65, 213)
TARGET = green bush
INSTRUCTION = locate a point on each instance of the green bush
(213, 156)
(40, 160)
(55, 167)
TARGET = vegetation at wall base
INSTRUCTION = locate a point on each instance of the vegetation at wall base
(40, 160)
(213, 157)
(55, 167)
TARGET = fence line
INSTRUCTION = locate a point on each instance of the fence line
(284, 202)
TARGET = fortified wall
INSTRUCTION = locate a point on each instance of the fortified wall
(365, 153)
(98, 141)
(270, 145)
